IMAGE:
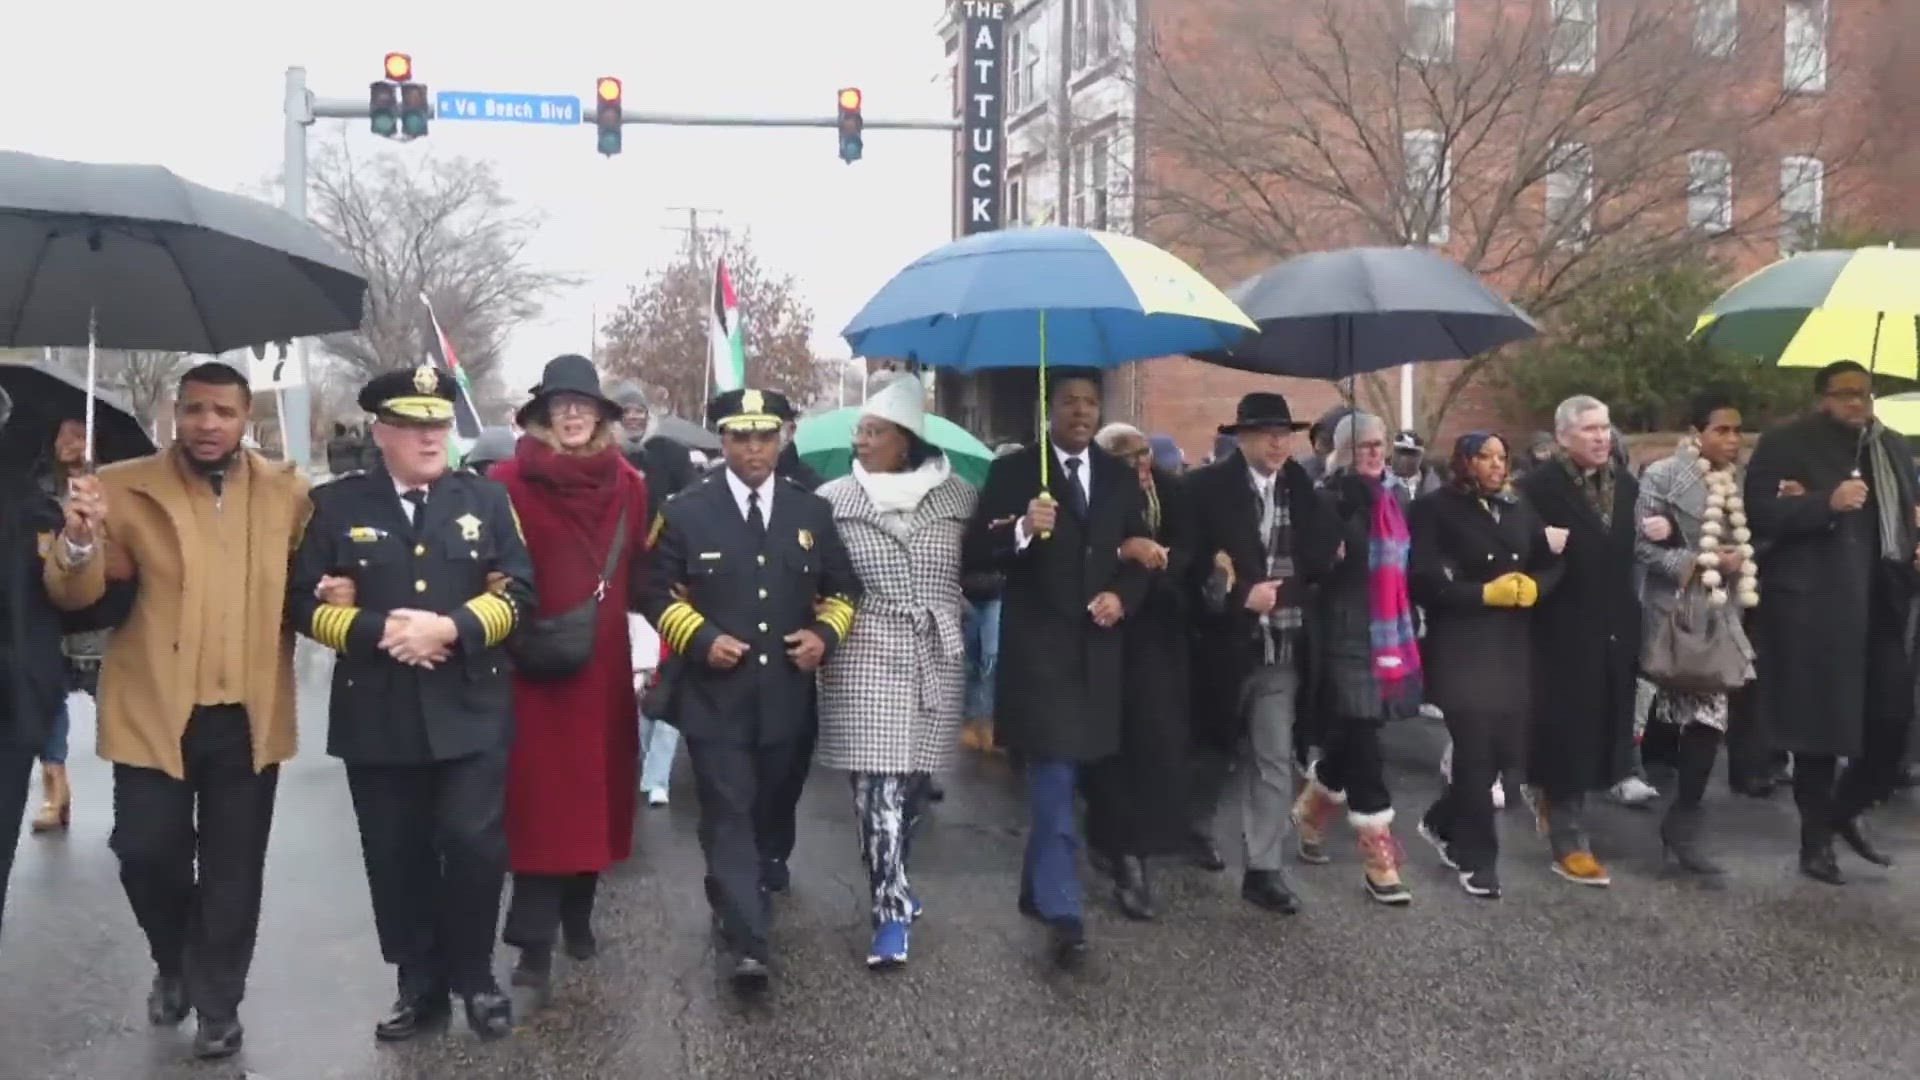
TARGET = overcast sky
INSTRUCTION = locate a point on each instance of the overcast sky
(196, 85)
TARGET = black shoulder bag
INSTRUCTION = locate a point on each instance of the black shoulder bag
(558, 646)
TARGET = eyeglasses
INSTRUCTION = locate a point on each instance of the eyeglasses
(1849, 396)
(562, 406)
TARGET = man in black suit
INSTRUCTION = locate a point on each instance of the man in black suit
(1058, 685)
(1260, 538)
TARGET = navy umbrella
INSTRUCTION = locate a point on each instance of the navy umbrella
(1338, 314)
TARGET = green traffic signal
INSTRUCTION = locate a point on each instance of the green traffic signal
(609, 141)
(414, 110)
(851, 148)
(383, 108)
(384, 124)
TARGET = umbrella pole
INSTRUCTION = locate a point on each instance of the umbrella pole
(1873, 364)
(1046, 439)
(93, 335)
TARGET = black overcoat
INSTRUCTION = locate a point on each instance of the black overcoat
(1817, 580)
(1586, 637)
(1059, 680)
(1226, 518)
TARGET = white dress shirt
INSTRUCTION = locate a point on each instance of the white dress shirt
(400, 492)
(1082, 476)
(740, 489)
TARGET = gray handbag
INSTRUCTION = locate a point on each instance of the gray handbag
(1699, 647)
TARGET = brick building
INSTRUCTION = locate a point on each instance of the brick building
(1542, 143)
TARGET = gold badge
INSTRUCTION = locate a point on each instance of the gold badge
(469, 527)
(364, 534)
(752, 402)
(425, 379)
(806, 540)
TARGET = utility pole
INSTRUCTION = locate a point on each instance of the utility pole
(697, 256)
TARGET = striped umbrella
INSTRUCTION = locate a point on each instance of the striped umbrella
(1822, 306)
(1901, 412)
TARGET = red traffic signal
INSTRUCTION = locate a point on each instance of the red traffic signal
(850, 99)
(399, 67)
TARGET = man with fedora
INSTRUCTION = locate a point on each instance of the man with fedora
(414, 575)
(1260, 540)
(751, 590)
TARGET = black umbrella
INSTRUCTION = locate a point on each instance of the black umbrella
(43, 397)
(688, 434)
(159, 262)
(1338, 314)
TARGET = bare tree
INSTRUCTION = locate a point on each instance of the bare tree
(143, 378)
(1552, 157)
(660, 336)
(443, 227)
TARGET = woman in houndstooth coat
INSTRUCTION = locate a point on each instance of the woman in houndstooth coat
(890, 696)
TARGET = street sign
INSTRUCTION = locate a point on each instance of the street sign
(512, 108)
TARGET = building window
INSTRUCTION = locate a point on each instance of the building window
(1020, 74)
(1802, 200)
(1806, 46)
(1089, 179)
(1430, 31)
(1093, 37)
(1709, 192)
(1575, 41)
(1015, 199)
(1429, 186)
(1570, 194)
(1716, 27)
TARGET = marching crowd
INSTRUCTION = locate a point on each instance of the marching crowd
(1140, 634)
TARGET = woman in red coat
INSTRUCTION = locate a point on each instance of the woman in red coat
(571, 778)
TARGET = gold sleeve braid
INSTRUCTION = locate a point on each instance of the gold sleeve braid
(679, 623)
(837, 612)
(497, 616)
(332, 623)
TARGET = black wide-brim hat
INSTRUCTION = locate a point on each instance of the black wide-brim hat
(569, 374)
(1260, 410)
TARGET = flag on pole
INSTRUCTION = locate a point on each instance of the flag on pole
(729, 338)
(466, 418)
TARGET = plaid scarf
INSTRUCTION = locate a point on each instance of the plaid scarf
(1396, 645)
(1597, 486)
(1278, 628)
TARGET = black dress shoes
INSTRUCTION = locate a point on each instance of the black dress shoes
(1264, 889)
(489, 1013)
(534, 971)
(1816, 855)
(750, 974)
(412, 1013)
(215, 1039)
(579, 942)
(1067, 941)
(1202, 853)
(775, 877)
(1849, 832)
(167, 1001)
(1131, 891)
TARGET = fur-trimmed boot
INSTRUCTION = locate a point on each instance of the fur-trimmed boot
(1313, 811)
(1381, 855)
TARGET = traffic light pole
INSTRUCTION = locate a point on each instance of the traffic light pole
(702, 120)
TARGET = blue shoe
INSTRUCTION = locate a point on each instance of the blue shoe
(889, 945)
(915, 908)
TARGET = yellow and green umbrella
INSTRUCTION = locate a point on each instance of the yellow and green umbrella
(825, 442)
(1901, 412)
(1821, 306)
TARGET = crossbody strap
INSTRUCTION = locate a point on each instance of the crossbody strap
(613, 555)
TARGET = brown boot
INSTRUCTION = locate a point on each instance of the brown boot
(56, 813)
(1381, 855)
(1312, 812)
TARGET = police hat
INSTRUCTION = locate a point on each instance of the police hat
(749, 410)
(423, 395)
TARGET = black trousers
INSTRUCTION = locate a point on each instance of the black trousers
(781, 829)
(1486, 742)
(1824, 793)
(744, 816)
(434, 841)
(16, 780)
(543, 903)
(199, 928)
(1353, 763)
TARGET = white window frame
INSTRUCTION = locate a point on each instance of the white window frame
(1430, 25)
(1710, 192)
(1429, 182)
(1803, 59)
(1569, 194)
(1019, 77)
(1015, 199)
(1803, 181)
(1090, 199)
(1716, 28)
(1093, 34)
(1569, 55)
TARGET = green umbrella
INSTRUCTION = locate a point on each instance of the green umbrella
(825, 442)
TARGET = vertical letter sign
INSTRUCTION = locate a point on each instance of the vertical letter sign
(983, 73)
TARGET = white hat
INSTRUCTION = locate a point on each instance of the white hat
(902, 401)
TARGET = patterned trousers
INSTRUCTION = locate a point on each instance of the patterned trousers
(889, 806)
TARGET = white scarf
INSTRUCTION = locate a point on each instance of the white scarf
(901, 492)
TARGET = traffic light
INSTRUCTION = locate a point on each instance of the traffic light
(606, 113)
(414, 110)
(383, 107)
(399, 67)
(850, 125)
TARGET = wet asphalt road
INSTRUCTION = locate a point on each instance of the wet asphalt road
(1770, 976)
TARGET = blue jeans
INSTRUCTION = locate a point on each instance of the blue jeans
(658, 742)
(55, 752)
(983, 656)
(1049, 874)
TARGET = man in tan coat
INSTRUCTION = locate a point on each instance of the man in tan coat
(196, 688)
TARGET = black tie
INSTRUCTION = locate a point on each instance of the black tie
(1076, 495)
(754, 519)
(418, 497)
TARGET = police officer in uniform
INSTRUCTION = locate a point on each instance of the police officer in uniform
(414, 575)
(752, 590)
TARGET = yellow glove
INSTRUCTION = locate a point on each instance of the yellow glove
(1526, 591)
(1501, 592)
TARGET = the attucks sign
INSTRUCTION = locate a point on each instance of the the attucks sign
(983, 82)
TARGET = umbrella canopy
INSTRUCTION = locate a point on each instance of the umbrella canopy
(688, 434)
(825, 441)
(1018, 298)
(160, 262)
(1337, 314)
(1901, 412)
(1821, 306)
(43, 397)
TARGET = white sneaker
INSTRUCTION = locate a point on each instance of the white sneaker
(657, 797)
(1634, 791)
(1446, 762)
(1499, 796)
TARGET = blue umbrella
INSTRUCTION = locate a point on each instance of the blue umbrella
(1024, 298)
